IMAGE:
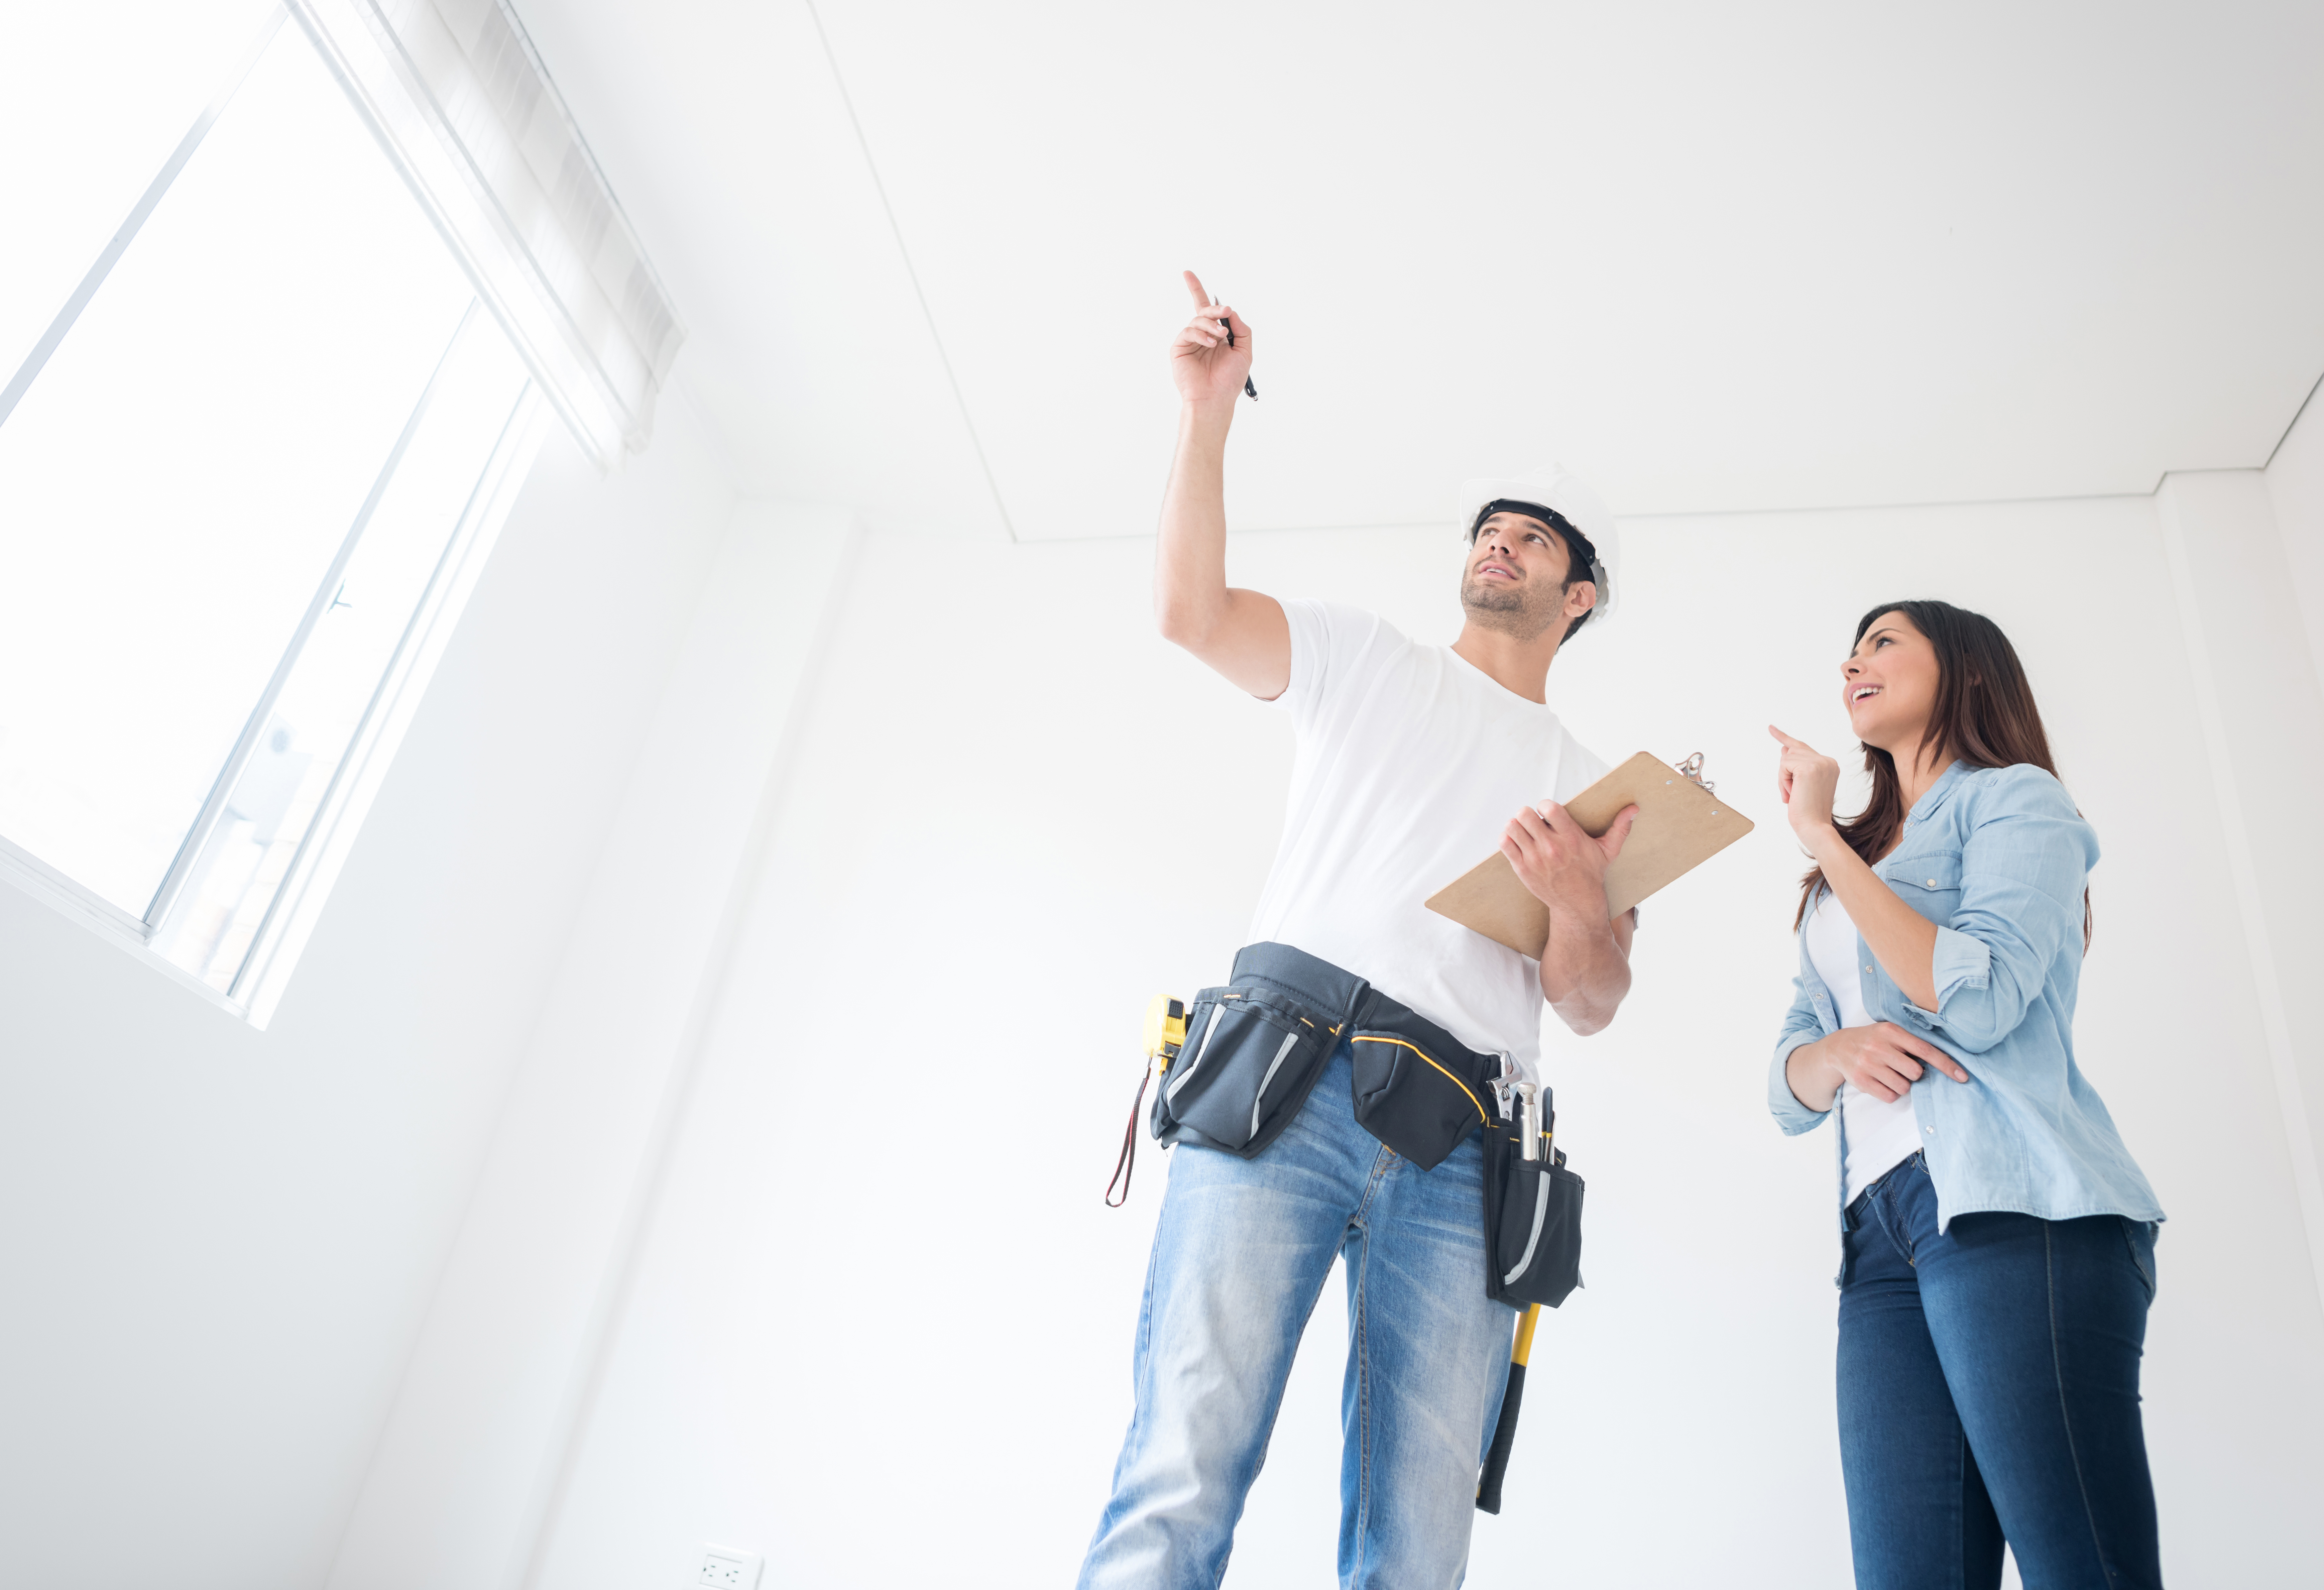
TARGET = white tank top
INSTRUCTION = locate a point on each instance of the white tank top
(1881, 1133)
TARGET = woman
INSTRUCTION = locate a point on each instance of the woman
(1997, 1240)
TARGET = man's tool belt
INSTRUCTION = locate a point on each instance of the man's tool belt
(1255, 1047)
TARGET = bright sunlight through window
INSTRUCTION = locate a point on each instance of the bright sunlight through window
(252, 422)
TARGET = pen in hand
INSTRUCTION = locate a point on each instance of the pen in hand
(1249, 390)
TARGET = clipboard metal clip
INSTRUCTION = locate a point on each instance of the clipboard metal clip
(1676, 833)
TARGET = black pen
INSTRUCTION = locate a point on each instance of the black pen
(1252, 391)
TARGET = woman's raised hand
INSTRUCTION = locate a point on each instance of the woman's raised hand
(1205, 368)
(1806, 781)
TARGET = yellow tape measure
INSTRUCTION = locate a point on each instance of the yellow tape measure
(1165, 1034)
(1165, 1028)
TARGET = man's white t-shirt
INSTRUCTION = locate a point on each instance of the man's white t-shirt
(1410, 763)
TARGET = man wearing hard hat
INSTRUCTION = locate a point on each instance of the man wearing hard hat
(1412, 760)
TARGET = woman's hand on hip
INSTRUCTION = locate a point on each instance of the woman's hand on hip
(1882, 1060)
(1806, 781)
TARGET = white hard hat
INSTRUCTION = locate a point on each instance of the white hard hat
(1576, 504)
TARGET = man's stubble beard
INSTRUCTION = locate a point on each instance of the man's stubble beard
(1503, 608)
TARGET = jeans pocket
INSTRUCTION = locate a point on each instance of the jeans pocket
(2138, 1236)
(1410, 1099)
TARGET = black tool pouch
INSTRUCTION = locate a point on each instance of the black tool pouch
(1254, 1050)
(1533, 1221)
(1416, 1089)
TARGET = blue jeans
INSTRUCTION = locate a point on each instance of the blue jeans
(1988, 1390)
(1241, 1256)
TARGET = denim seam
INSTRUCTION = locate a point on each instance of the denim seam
(1362, 1348)
(1146, 1307)
(1962, 1459)
(1893, 1225)
(2138, 1268)
(2065, 1412)
(1383, 1163)
(1141, 1363)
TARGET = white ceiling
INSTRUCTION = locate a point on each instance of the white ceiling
(1715, 257)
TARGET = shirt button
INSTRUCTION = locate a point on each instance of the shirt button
(1932, 883)
(1932, 1131)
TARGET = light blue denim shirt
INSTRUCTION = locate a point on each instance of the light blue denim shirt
(1997, 858)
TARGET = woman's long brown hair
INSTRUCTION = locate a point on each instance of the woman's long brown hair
(1983, 716)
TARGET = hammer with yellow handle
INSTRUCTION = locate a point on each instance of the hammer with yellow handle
(1504, 1433)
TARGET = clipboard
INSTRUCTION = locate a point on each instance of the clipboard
(1682, 823)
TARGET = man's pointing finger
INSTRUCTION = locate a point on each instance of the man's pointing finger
(1195, 286)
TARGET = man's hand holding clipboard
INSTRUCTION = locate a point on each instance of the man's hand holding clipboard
(1648, 821)
(1560, 861)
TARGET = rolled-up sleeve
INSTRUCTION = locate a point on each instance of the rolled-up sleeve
(1801, 1026)
(2024, 867)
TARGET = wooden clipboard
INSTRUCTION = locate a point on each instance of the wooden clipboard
(1681, 825)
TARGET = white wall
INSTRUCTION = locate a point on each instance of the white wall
(2295, 486)
(217, 1245)
(472, 1461)
(2282, 755)
(618, 1177)
(2259, 731)
(881, 1324)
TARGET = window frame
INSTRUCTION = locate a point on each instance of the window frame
(290, 916)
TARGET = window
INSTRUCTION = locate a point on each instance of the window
(248, 470)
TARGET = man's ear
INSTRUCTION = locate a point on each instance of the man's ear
(1587, 590)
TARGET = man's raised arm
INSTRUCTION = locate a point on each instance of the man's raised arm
(1243, 635)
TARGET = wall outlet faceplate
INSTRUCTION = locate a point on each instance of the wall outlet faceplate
(726, 1569)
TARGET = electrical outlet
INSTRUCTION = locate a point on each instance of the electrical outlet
(726, 1569)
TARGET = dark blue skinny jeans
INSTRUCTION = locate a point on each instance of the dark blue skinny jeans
(1989, 1392)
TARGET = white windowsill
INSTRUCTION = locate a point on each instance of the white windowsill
(108, 921)
(268, 969)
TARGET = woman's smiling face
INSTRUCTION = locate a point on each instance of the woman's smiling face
(1889, 685)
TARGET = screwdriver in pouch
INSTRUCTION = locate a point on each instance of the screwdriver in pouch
(1505, 1430)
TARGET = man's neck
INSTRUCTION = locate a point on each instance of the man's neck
(1518, 666)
